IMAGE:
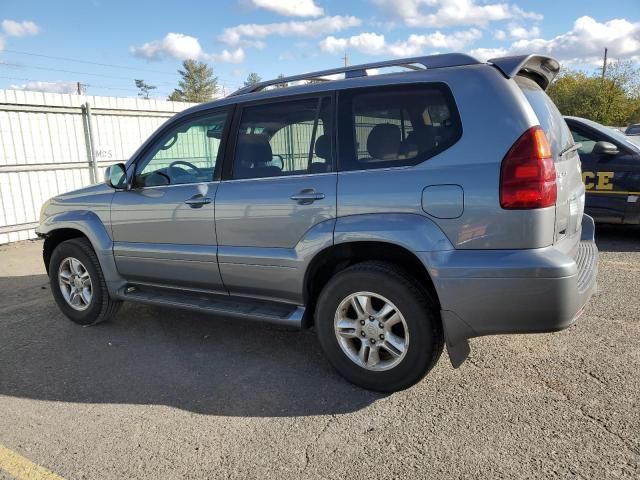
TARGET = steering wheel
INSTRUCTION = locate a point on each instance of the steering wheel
(196, 171)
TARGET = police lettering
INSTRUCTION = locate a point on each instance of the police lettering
(598, 180)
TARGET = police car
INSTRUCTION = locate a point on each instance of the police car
(610, 171)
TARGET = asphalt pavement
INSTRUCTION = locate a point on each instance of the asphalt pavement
(159, 393)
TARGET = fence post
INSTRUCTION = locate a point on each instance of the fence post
(93, 164)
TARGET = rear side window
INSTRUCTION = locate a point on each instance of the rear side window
(548, 115)
(398, 126)
(284, 138)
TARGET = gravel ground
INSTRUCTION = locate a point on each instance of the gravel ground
(170, 394)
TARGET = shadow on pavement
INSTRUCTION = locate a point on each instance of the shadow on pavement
(618, 238)
(152, 355)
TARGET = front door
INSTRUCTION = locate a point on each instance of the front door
(164, 227)
(606, 175)
(278, 197)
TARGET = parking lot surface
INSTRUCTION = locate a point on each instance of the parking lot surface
(161, 393)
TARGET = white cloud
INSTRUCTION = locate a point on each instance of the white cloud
(19, 29)
(447, 13)
(375, 44)
(181, 47)
(306, 28)
(484, 54)
(50, 87)
(1, 44)
(586, 41)
(226, 56)
(519, 32)
(291, 8)
(499, 35)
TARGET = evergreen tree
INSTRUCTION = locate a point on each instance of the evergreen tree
(281, 85)
(252, 79)
(198, 84)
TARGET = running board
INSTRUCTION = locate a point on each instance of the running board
(223, 305)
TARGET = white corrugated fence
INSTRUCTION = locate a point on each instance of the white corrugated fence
(52, 143)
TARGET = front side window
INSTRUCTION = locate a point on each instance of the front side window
(586, 142)
(284, 138)
(399, 126)
(186, 154)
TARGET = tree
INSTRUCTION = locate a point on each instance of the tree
(283, 84)
(144, 88)
(252, 79)
(612, 100)
(198, 84)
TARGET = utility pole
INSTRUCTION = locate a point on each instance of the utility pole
(80, 88)
(346, 59)
(604, 64)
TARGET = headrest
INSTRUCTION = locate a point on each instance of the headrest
(253, 150)
(323, 147)
(383, 142)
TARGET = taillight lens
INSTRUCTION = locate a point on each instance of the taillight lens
(528, 174)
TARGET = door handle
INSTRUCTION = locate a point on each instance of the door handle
(307, 196)
(197, 201)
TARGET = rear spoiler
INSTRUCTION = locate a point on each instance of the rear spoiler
(537, 67)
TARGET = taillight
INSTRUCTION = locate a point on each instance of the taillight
(528, 174)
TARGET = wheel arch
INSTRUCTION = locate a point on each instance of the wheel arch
(64, 226)
(335, 258)
(55, 238)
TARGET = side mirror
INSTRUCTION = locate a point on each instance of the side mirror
(116, 176)
(605, 148)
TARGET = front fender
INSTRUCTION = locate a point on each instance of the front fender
(91, 226)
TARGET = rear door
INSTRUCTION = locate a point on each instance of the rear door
(570, 202)
(279, 188)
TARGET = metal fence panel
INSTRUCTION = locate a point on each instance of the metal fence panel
(45, 147)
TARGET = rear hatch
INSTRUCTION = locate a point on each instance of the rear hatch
(570, 202)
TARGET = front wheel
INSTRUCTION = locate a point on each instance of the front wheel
(78, 285)
(379, 327)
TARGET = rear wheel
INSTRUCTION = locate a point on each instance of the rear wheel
(78, 285)
(379, 327)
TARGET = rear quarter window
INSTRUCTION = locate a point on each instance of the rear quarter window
(396, 126)
(549, 116)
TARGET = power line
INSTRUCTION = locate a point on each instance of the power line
(75, 72)
(106, 87)
(131, 90)
(87, 62)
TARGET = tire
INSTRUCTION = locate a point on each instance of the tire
(418, 326)
(100, 306)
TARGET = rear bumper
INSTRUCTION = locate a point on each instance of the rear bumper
(488, 292)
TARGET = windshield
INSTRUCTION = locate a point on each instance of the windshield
(621, 137)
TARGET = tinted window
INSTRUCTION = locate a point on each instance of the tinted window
(186, 154)
(399, 126)
(633, 130)
(585, 140)
(548, 114)
(284, 138)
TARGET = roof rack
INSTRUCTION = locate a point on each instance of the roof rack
(413, 63)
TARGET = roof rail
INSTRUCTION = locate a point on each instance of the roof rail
(427, 62)
(543, 69)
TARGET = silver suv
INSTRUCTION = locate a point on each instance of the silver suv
(393, 212)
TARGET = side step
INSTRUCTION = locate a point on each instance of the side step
(223, 305)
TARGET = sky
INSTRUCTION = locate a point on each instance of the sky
(107, 44)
